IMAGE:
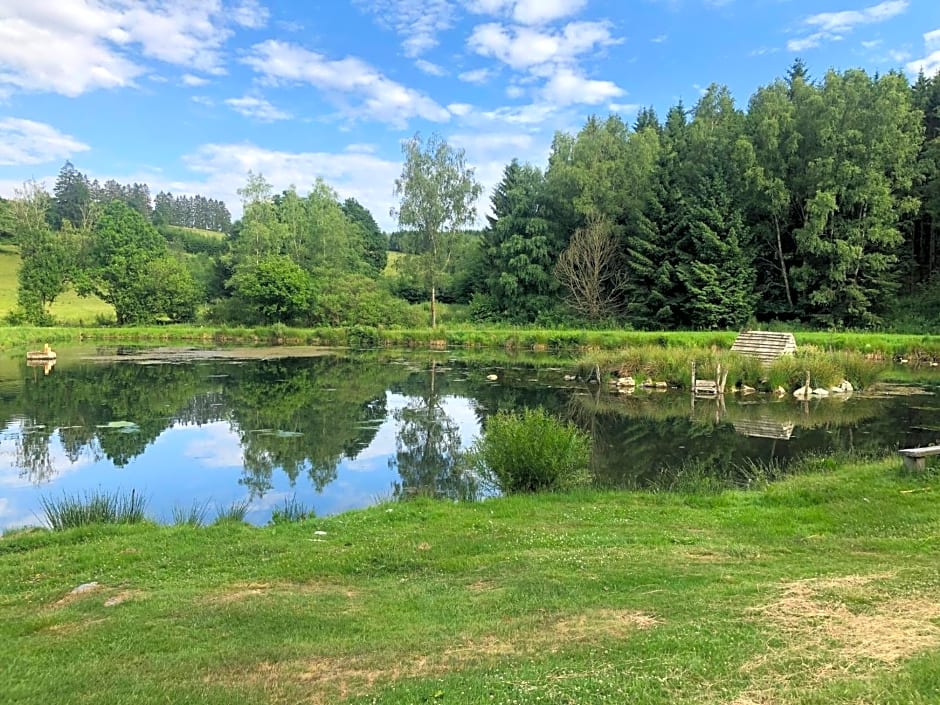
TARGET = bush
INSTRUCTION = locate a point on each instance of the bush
(532, 452)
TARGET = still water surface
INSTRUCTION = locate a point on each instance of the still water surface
(341, 431)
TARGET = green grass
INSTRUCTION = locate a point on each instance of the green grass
(69, 308)
(821, 588)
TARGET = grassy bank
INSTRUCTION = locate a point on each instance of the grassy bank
(915, 348)
(821, 588)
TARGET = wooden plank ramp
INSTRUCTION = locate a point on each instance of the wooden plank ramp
(765, 346)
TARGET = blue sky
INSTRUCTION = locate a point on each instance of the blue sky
(188, 95)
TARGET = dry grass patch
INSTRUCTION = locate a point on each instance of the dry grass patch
(825, 638)
(240, 592)
(331, 679)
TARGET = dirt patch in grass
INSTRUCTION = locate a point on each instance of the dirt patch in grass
(608, 624)
(845, 627)
(331, 679)
(240, 592)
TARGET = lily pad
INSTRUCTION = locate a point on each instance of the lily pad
(286, 434)
(117, 425)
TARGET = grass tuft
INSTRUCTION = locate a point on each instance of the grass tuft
(194, 515)
(73, 510)
(235, 513)
(292, 511)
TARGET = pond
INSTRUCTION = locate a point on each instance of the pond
(339, 430)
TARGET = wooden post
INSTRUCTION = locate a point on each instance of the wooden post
(693, 377)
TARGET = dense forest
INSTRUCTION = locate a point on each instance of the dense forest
(818, 204)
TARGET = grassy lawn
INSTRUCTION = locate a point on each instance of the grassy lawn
(822, 588)
(68, 308)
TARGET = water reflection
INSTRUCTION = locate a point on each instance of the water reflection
(343, 431)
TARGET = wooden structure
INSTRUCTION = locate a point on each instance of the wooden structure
(764, 428)
(916, 458)
(45, 354)
(766, 347)
(709, 387)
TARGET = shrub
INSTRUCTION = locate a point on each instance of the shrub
(70, 511)
(532, 452)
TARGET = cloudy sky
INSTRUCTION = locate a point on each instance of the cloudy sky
(188, 95)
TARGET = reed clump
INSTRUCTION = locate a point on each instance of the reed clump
(95, 507)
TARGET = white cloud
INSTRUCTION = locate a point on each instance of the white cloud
(257, 108)
(525, 48)
(660, 38)
(460, 109)
(27, 142)
(873, 44)
(352, 172)
(929, 64)
(567, 87)
(250, 14)
(476, 76)
(359, 89)
(189, 79)
(418, 21)
(80, 45)
(430, 68)
(528, 12)
(833, 26)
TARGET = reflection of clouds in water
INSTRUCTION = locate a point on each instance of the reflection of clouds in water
(12, 474)
(216, 446)
(383, 446)
(11, 517)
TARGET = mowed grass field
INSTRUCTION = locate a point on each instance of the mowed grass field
(820, 589)
(68, 308)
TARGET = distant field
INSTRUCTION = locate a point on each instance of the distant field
(211, 234)
(68, 308)
(395, 260)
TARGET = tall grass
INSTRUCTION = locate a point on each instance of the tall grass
(95, 507)
(234, 513)
(674, 366)
(193, 515)
(291, 511)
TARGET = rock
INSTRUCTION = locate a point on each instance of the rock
(570, 378)
(803, 393)
(820, 392)
(85, 587)
(662, 385)
(847, 387)
(626, 382)
(492, 378)
(780, 392)
(648, 383)
(747, 390)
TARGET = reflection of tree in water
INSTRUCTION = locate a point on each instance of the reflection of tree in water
(428, 457)
(305, 416)
(74, 404)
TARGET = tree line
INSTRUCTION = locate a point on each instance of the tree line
(819, 203)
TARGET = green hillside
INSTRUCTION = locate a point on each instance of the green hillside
(68, 308)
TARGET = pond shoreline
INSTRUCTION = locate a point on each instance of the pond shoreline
(916, 349)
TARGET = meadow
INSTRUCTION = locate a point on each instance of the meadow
(819, 588)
